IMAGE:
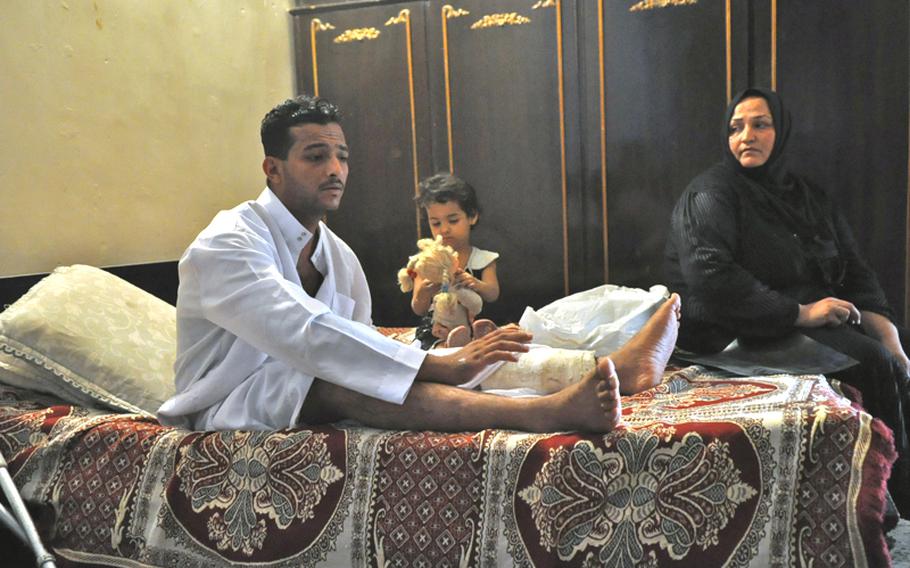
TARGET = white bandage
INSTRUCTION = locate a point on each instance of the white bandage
(542, 369)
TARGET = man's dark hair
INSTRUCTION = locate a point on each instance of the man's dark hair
(302, 109)
(445, 187)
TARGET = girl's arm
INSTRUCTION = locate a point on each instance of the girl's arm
(422, 296)
(487, 285)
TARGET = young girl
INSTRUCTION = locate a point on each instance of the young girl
(451, 207)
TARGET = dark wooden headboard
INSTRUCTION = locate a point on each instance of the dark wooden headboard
(158, 278)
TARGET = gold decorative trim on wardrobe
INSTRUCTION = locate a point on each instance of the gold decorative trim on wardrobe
(728, 48)
(655, 4)
(774, 45)
(562, 139)
(357, 34)
(449, 12)
(404, 17)
(601, 56)
(500, 20)
(317, 25)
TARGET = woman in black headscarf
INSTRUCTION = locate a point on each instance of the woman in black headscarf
(757, 252)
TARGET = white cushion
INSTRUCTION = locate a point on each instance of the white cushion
(92, 339)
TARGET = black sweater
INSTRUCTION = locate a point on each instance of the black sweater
(742, 267)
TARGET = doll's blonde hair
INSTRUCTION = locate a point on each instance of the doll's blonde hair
(435, 262)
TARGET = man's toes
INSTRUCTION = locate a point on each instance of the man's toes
(608, 383)
(605, 368)
(608, 396)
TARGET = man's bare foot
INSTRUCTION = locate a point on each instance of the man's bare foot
(640, 363)
(482, 327)
(458, 337)
(607, 389)
(590, 405)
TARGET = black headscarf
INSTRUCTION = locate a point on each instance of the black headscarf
(800, 208)
(774, 171)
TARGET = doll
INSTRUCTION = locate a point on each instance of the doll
(436, 263)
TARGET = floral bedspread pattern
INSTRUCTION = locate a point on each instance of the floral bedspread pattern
(707, 471)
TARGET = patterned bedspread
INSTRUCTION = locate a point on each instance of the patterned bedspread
(707, 471)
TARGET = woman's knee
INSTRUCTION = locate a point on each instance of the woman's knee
(870, 353)
(876, 358)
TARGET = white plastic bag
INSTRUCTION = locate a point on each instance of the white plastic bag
(600, 319)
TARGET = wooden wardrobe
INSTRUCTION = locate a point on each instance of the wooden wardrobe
(580, 122)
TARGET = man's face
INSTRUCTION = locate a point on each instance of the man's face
(311, 180)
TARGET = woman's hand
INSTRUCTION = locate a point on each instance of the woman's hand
(831, 312)
(503, 344)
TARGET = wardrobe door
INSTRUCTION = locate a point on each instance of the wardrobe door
(499, 123)
(665, 91)
(371, 62)
(843, 72)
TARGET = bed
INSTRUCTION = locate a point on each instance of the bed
(707, 470)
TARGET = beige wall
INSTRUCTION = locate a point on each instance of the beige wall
(126, 124)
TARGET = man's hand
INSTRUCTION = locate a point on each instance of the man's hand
(503, 344)
(831, 312)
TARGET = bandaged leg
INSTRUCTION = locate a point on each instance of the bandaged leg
(543, 369)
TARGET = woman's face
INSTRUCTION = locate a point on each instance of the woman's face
(751, 131)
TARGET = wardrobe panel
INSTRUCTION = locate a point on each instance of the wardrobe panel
(496, 92)
(666, 90)
(581, 122)
(843, 71)
(371, 62)
(587, 203)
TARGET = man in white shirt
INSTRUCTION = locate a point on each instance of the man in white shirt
(270, 299)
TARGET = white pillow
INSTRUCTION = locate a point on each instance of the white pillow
(90, 338)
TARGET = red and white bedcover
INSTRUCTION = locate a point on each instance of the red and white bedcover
(707, 471)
